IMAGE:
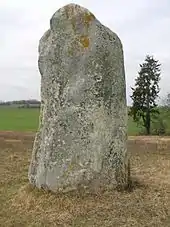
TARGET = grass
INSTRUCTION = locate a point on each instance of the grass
(147, 205)
(14, 119)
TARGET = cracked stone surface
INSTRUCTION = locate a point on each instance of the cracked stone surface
(82, 135)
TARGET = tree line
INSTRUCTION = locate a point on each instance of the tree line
(31, 103)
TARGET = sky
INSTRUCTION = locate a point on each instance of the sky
(141, 25)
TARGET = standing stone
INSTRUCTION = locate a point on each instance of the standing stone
(82, 133)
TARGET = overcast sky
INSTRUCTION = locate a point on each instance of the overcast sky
(143, 26)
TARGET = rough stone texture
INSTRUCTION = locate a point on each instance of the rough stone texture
(82, 133)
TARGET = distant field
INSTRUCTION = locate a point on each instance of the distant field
(15, 119)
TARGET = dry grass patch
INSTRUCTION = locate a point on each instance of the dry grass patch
(147, 205)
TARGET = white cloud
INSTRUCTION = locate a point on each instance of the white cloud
(141, 25)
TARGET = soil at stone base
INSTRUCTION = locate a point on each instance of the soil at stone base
(147, 205)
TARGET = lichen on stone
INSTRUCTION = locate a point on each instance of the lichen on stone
(78, 45)
(84, 40)
(88, 17)
(76, 14)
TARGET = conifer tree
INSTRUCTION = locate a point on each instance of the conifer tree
(145, 92)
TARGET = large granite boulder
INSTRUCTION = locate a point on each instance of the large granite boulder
(82, 133)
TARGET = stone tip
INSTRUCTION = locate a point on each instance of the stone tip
(71, 10)
(73, 13)
(75, 8)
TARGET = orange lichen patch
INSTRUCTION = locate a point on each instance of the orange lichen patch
(78, 14)
(88, 17)
(78, 45)
(84, 40)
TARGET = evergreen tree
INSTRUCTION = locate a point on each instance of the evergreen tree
(145, 92)
(167, 103)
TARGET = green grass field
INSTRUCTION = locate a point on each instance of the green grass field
(14, 119)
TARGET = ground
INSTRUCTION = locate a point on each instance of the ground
(147, 205)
